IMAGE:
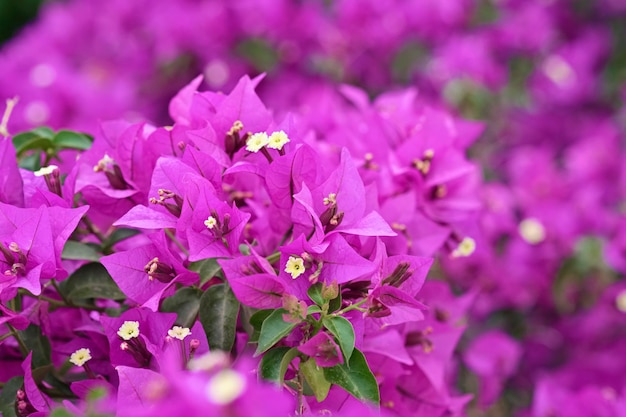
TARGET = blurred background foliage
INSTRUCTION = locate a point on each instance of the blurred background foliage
(14, 14)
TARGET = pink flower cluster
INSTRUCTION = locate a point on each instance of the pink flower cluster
(309, 243)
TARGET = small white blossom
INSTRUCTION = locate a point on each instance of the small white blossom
(465, 248)
(46, 170)
(129, 330)
(257, 141)
(225, 387)
(295, 266)
(80, 357)
(277, 140)
(532, 231)
(178, 332)
(210, 222)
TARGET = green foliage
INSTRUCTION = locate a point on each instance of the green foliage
(219, 309)
(78, 251)
(185, 303)
(273, 329)
(30, 145)
(90, 281)
(355, 377)
(344, 333)
(208, 269)
(7, 396)
(269, 368)
(117, 236)
(36, 343)
(314, 376)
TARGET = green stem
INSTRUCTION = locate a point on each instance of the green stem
(355, 306)
(17, 337)
(300, 409)
(65, 303)
(180, 246)
(55, 284)
(273, 257)
(5, 336)
(94, 229)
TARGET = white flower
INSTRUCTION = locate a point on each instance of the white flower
(129, 330)
(532, 231)
(295, 266)
(225, 387)
(46, 170)
(465, 248)
(210, 222)
(257, 141)
(80, 357)
(277, 140)
(178, 332)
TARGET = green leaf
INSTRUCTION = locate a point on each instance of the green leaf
(91, 281)
(284, 364)
(269, 368)
(72, 140)
(256, 321)
(31, 162)
(37, 343)
(315, 294)
(273, 329)
(259, 53)
(117, 236)
(314, 375)
(313, 309)
(244, 249)
(344, 333)
(207, 268)
(334, 304)
(7, 396)
(61, 412)
(39, 138)
(78, 251)
(185, 303)
(218, 314)
(356, 378)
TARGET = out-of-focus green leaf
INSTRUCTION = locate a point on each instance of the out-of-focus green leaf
(72, 140)
(78, 251)
(91, 281)
(185, 303)
(219, 309)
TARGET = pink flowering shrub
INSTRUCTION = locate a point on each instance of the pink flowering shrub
(378, 207)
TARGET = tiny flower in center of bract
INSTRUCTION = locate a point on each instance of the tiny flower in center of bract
(558, 70)
(104, 163)
(465, 248)
(225, 387)
(257, 141)
(277, 140)
(80, 357)
(129, 330)
(178, 332)
(46, 170)
(331, 199)
(210, 222)
(295, 267)
(532, 231)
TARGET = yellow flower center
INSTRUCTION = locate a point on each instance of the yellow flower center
(257, 141)
(129, 330)
(295, 266)
(80, 357)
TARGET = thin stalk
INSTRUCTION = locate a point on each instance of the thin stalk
(180, 246)
(17, 337)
